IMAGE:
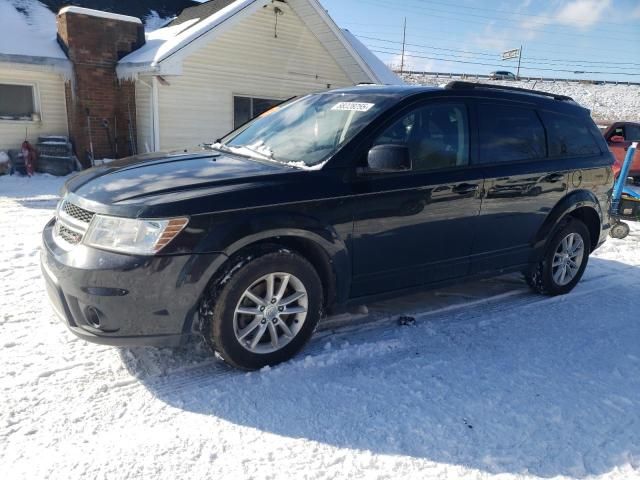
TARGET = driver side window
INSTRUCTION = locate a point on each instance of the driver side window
(437, 136)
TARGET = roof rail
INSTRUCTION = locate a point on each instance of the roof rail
(459, 85)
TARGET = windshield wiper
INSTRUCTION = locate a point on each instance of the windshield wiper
(270, 156)
(241, 150)
(218, 146)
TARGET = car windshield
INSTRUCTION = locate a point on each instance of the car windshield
(307, 131)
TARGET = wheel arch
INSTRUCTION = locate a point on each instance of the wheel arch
(580, 204)
(326, 254)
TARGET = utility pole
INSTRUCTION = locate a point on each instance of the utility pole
(519, 59)
(404, 38)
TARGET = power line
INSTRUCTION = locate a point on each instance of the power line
(511, 12)
(613, 70)
(404, 38)
(519, 28)
(556, 46)
(494, 55)
(501, 66)
(429, 10)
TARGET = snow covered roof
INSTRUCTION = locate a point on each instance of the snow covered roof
(29, 37)
(202, 10)
(383, 73)
(28, 27)
(165, 42)
(99, 13)
(165, 9)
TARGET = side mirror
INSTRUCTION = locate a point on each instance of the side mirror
(389, 158)
(617, 139)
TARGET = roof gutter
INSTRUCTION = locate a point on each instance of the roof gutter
(61, 66)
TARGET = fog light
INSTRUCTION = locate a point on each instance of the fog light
(92, 316)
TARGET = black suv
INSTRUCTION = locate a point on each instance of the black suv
(327, 201)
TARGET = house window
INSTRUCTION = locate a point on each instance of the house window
(16, 102)
(246, 108)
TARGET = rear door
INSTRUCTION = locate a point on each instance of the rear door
(417, 227)
(522, 184)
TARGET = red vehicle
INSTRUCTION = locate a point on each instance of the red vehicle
(619, 136)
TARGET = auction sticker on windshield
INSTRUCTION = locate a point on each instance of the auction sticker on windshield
(353, 106)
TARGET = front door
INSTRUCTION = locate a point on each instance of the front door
(416, 227)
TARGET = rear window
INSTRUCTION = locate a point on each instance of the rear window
(569, 136)
(510, 134)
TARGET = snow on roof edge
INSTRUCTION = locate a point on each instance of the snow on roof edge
(383, 73)
(150, 55)
(57, 65)
(99, 13)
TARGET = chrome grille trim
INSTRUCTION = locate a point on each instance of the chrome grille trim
(68, 235)
(72, 223)
(76, 212)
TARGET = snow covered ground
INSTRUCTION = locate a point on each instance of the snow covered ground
(491, 382)
(607, 102)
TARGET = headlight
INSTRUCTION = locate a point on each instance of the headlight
(129, 235)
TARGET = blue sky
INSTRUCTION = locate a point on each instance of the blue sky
(559, 37)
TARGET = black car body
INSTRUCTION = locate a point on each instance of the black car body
(366, 232)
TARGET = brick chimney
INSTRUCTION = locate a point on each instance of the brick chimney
(101, 109)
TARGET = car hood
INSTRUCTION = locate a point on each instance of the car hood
(135, 178)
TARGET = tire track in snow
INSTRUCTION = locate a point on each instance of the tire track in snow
(378, 338)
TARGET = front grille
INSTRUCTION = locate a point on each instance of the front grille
(69, 236)
(76, 212)
(71, 224)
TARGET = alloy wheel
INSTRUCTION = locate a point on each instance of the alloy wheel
(270, 313)
(567, 259)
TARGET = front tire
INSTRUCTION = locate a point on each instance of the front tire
(266, 311)
(564, 261)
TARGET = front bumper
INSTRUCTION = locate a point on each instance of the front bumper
(125, 300)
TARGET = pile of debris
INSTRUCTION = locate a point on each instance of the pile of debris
(54, 156)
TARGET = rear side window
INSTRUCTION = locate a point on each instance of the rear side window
(510, 134)
(569, 136)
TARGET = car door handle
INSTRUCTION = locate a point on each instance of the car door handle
(465, 188)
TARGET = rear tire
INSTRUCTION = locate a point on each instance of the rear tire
(254, 301)
(564, 261)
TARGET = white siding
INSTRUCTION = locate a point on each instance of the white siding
(50, 101)
(197, 106)
(324, 33)
(144, 115)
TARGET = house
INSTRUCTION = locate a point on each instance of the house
(213, 67)
(221, 63)
(34, 68)
(33, 73)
